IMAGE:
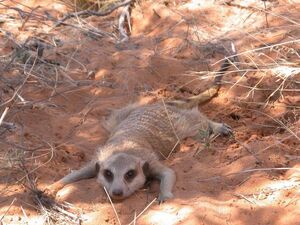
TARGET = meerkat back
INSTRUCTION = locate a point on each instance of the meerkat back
(158, 126)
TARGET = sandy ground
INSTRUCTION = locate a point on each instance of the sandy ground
(220, 181)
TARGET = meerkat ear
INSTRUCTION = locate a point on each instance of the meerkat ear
(97, 167)
(146, 169)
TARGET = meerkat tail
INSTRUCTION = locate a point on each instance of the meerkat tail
(206, 95)
(211, 92)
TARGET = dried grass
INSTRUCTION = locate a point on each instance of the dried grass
(78, 5)
(17, 157)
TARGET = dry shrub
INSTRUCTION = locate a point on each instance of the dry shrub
(97, 5)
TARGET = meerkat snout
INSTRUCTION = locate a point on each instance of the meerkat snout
(121, 174)
(117, 193)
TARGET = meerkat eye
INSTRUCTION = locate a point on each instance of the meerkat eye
(130, 175)
(108, 175)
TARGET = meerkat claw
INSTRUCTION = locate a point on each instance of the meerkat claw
(226, 130)
(163, 197)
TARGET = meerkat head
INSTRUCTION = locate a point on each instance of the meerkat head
(122, 174)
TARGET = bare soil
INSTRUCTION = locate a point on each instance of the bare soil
(58, 109)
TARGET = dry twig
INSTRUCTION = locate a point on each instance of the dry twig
(93, 13)
(246, 171)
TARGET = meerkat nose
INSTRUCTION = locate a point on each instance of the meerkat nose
(117, 193)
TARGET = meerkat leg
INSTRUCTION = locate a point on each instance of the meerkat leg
(167, 179)
(86, 172)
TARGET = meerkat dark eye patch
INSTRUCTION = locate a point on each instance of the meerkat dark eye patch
(109, 176)
(130, 175)
(146, 169)
(97, 167)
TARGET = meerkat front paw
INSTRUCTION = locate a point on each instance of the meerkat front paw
(225, 129)
(221, 128)
(162, 197)
(52, 190)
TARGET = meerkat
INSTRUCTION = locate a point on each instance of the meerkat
(142, 136)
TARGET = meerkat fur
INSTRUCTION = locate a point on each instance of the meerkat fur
(140, 138)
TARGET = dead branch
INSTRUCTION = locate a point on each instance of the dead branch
(247, 171)
(124, 15)
(3, 115)
(28, 17)
(12, 144)
(46, 205)
(10, 205)
(23, 14)
(92, 13)
(8, 125)
(141, 213)
(115, 211)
